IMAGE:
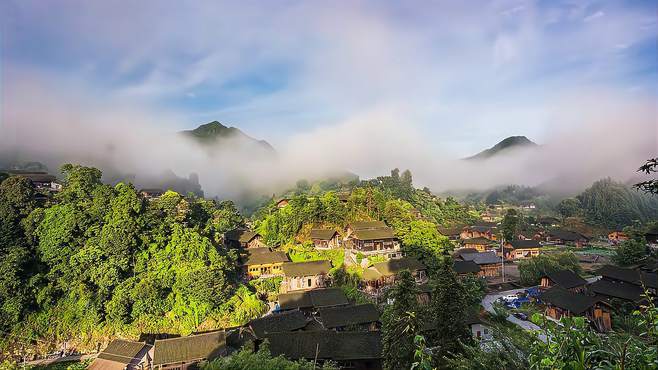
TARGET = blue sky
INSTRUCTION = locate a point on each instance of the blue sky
(466, 74)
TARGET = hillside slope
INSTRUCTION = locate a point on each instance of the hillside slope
(214, 132)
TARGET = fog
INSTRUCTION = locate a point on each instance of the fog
(358, 86)
(594, 136)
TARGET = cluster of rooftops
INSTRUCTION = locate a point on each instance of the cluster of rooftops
(317, 324)
(567, 294)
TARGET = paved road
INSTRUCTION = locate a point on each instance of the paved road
(489, 299)
(48, 361)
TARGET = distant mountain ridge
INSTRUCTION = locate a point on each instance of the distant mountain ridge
(507, 144)
(214, 132)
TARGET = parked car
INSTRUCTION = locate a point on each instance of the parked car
(521, 316)
(510, 297)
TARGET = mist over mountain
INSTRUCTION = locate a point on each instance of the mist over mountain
(212, 134)
(507, 145)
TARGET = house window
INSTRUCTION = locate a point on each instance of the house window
(309, 282)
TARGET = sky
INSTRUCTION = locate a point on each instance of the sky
(424, 79)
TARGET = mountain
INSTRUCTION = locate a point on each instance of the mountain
(215, 132)
(507, 145)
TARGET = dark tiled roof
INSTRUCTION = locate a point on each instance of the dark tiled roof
(621, 290)
(38, 177)
(484, 258)
(482, 229)
(461, 251)
(322, 234)
(392, 267)
(522, 244)
(374, 234)
(282, 322)
(337, 346)
(478, 241)
(567, 235)
(363, 225)
(567, 279)
(548, 221)
(308, 268)
(122, 351)
(259, 256)
(313, 298)
(240, 235)
(465, 267)
(189, 349)
(629, 275)
(334, 317)
(577, 303)
(450, 231)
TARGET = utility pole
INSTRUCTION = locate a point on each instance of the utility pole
(502, 255)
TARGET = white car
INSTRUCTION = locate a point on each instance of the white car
(510, 297)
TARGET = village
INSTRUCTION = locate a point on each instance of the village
(309, 318)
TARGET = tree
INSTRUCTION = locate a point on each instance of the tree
(448, 307)
(649, 186)
(633, 250)
(532, 269)
(510, 224)
(569, 207)
(400, 323)
(424, 242)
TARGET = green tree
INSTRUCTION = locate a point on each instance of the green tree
(447, 313)
(569, 207)
(633, 250)
(424, 242)
(510, 224)
(401, 323)
(532, 269)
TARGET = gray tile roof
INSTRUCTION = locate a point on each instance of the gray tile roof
(333, 317)
(576, 303)
(259, 256)
(122, 351)
(280, 322)
(313, 299)
(483, 258)
(566, 279)
(307, 268)
(331, 345)
(189, 349)
(322, 234)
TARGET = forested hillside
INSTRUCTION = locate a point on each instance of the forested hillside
(97, 261)
(611, 204)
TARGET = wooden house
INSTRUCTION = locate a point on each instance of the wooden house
(123, 355)
(490, 264)
(638, 277)
(566, 279)
(520, 249)
(304, 275)
(480, 244)
(311, 300)
(560, 302)
(617, 237)
(263, 262)
(325, 238)
(479, 330)
(464, 268)
(186, 352)
(151, 193)
(566, 237)
(617, 290)
(453, 233)
(548, 221)
(479, 231)
(40, 180)
(358, 350)
(383, 274)
(373, 238)
(363, 317)
(241, 238)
